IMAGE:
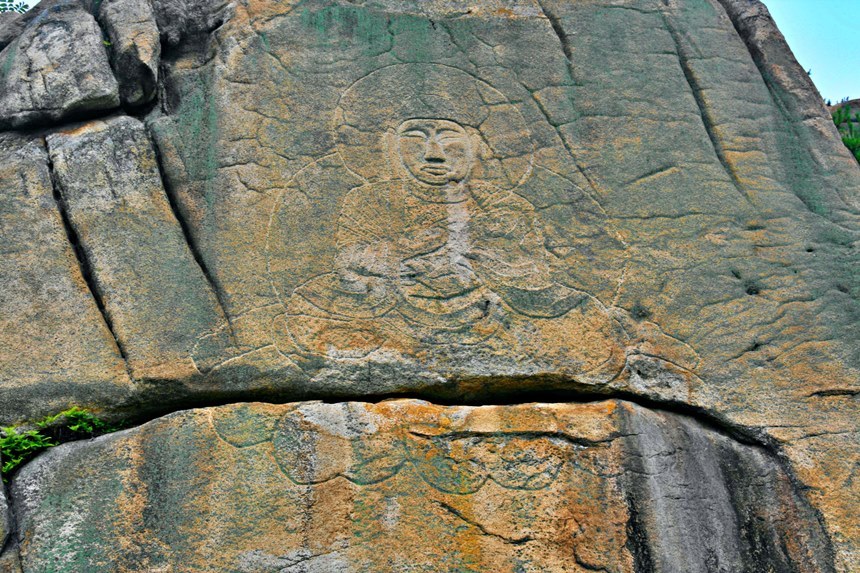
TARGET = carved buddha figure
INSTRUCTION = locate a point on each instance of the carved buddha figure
(435, 251)
(431, 257)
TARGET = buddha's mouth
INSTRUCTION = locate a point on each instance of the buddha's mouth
(436, 170)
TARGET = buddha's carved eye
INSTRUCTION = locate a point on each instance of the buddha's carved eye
(414, 133)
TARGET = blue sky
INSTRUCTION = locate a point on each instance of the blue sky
(825, 37)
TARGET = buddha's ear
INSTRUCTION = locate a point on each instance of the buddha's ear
(479, 146)
(483, 155)
(392, 154)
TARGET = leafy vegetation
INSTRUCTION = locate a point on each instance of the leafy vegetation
(78, 421)
(14, 6)
(849, 128)
(19, 445)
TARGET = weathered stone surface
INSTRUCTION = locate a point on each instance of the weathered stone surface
(10, 27)
(409, 486)
(55, 348)
(636, 198)
(57, 68)
(155, 295)
(5, 521)
(12, 24)
(135, 47)
(185, 19)
(9, 563)
(678, 173)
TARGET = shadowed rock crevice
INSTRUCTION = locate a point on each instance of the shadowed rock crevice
(557, 27)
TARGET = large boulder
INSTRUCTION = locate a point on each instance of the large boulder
(135, 48)
(56, 69)
(514, 200)
(407, 486)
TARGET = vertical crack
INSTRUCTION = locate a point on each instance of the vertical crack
(705, 113)
(84, 265)
(637, 539)
(187, 234)
(558, 29)
(555, 22)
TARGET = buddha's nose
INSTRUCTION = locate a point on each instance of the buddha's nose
(433, 152)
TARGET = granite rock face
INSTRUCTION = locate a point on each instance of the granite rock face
(56, 345)
(155, 296)
(511, 201)
(408, 486)
(5, 520)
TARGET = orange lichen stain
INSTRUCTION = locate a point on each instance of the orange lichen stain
(506, 12)
(131, 503)
(85, 128)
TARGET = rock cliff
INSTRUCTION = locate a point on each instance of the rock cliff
(508, 285)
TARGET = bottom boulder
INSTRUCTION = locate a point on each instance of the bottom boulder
(407, 486)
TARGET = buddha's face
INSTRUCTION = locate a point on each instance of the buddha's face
(435, 151)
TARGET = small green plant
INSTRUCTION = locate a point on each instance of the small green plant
(14, 6)
(849, 128)
(77, 421)
(18, 445)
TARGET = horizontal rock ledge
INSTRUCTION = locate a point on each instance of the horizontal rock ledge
(406, 485)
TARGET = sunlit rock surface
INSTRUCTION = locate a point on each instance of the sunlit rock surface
(506, 201)
(408, 486)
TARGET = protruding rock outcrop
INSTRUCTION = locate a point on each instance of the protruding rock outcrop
(135, 48)
(409, 486)
(56, 69)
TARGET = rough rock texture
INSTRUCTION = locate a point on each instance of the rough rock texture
(5, 520)
(10, 27)
(407, 486)
(135, 47)
(512, 200)
(56, 69)
(155, 296)
(10, 563)
(180, 20)
(56, 348)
